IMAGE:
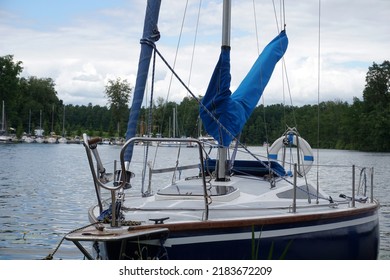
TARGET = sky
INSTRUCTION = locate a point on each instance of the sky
(83, 44)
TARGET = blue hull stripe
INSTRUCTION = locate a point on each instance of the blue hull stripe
(264, 234)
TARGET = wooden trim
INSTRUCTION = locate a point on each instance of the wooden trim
(291, 218)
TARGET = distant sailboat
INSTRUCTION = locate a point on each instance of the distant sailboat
(62, 139)
(174, 131)
(39, 132)
(27, 138)
(4, 137)
(52, 139)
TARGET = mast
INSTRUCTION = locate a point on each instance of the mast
(175, 123)
(63, 123)
(222, 151)
(2, 117)
(29, 123)
(40, 121)
(226, 22)
(52, 120)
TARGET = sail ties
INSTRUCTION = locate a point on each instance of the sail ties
(233, 110)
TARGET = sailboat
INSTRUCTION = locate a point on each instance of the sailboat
(229, 208)
(52, 139)
(4, 137)
(28, 138)
(172, 123)
(39, 132)
(62, 139)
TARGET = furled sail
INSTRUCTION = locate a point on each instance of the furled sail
(233, 110)
(149, 37)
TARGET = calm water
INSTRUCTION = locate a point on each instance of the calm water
(46, 189)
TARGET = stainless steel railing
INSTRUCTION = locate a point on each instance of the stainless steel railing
(173, 140)
(352, 198)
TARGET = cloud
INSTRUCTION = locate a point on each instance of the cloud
(82, 46)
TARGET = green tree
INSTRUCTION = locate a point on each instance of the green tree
(188, 113)
(375, 118)
(39, 94)
(118, 93)
(376, 93)
(9, 86)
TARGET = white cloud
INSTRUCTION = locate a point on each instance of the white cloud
(83, 50)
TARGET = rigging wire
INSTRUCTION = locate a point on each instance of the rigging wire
(194, 45)
(284, 72)
(285, 79)
(284, 67)
(282, 16)
(285, 83)
(175, 59)
(150, 116)
(177, 47)
(193, 55)
(256, 32)
(258, 53)
(318, 92)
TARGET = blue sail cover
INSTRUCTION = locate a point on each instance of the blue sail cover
(233, 110)
(150, 35)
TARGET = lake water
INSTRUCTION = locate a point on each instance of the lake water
(46, 190)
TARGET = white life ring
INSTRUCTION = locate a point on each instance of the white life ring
(297, 141)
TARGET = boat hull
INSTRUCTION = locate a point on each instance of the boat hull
(347, 236)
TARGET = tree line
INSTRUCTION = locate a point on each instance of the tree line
(363, 125)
